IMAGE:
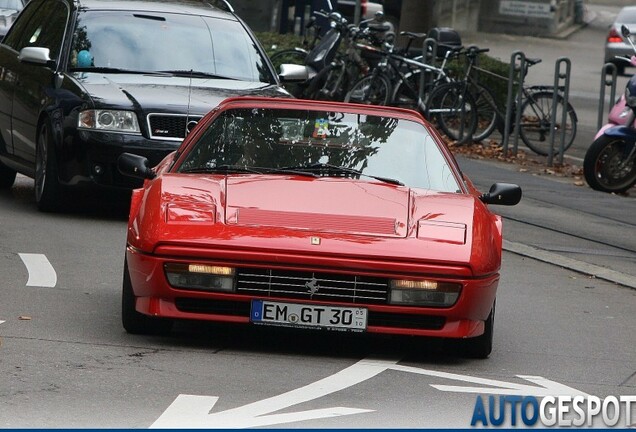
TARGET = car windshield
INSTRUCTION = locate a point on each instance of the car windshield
(627, 15)
(322, 143)
(136, 41)
(11, 5)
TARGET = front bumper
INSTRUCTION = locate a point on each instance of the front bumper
(89, 158)
(156, 297)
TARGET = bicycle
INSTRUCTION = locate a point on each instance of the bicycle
(536, 108)
(396, 78)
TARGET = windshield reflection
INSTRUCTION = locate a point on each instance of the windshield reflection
(302, 139)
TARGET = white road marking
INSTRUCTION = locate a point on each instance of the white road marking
(41, 272)
(191, 411)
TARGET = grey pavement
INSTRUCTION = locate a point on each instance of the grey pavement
(575, 227)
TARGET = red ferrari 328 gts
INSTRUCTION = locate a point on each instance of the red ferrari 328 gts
(315, 215)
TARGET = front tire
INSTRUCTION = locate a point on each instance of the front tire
(480, 347)
(605, 167)
(135, 322)
(47, 186)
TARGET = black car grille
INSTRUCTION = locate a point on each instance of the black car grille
(170, 126)
(310, 285)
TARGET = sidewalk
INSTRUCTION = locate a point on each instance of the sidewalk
(570, 226)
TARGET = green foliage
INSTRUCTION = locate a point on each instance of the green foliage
(273, 42)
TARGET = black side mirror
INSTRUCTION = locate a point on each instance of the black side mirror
(502, 194)
(625, 31)
(134, 166)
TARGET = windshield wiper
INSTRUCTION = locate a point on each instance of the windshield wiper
(104, 69)
(328, 168)
(196, 74)
(247, 169)
(223, 169)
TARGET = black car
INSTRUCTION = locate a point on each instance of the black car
(82, 81)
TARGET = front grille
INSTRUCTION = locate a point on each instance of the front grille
(216, 307)
(170, 126)
(388, 319)
(311, 285)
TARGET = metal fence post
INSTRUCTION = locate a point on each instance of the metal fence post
(510, 104)
(608, 68)
(558, 76)
(429, 55)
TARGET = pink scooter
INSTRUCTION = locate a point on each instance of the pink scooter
(610, 161)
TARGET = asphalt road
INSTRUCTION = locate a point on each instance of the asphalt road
(564, 325)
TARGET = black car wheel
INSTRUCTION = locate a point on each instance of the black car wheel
(7, 177)
(480, 347)
(47, 187)
(135, 322)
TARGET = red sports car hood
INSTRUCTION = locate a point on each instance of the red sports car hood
(306, 215)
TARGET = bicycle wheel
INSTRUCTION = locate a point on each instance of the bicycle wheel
(451, 108)
(324, 84)
(487, 115)
(536, 117)
(406, 92)
(370, 90)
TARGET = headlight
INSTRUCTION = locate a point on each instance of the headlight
(200, 276)
(424, 292)
(109, 120)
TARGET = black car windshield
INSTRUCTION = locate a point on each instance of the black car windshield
(335, 144)
(136, 41)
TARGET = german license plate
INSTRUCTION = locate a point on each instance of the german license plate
(311, 316)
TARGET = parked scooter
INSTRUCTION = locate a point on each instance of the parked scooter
(610, 162)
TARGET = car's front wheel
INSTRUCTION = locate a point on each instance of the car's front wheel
(480, 347)
(47, 187)
(135, 322)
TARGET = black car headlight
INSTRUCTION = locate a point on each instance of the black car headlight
(196, 276)
(424, 293)
(109, 120)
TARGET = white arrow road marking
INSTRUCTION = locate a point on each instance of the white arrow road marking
(41, 272)
(188, 411)
(546, 387)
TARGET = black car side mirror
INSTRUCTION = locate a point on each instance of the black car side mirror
(625, 31)
(134, 166)
(502, 194)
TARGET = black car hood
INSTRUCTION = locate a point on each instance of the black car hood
(168, 93)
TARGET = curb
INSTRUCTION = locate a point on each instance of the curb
(598, 272)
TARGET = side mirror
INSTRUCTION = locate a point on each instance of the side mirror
(293, 73)
(134, 166)
(502, 194)
(625, 31)
(36, 55)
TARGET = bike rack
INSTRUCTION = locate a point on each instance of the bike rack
(608, 69)
(520, 58)
(429, 50)
(559, 77)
